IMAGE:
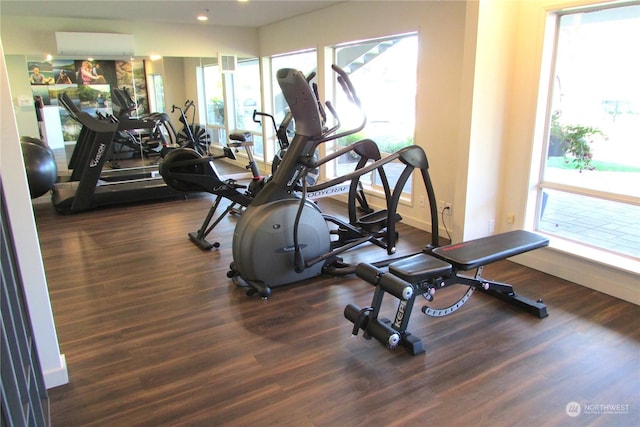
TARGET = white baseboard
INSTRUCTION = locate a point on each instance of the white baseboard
(610, 280)
(57, 377)
(617, 277)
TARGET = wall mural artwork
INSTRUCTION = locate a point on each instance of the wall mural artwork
(89, 84)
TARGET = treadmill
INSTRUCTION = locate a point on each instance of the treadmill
(88, 186)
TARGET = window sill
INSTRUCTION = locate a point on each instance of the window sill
(599, 256)
(595, 269)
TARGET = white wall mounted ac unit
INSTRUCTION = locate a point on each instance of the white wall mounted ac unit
(95, 44)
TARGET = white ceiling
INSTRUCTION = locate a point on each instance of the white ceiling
(252, 13)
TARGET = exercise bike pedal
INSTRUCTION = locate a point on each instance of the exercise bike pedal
(234, 184)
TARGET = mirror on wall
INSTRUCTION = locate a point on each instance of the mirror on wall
(128, 90)
(112, 90)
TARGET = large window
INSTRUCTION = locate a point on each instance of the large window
(214, 95)
(230, 100)
(243, 86)
(155, 86)
(383, 71)
(589, 188)
(305, 61)
(211, 103)
(246, 93)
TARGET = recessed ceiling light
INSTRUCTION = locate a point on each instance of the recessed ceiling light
(203, 16)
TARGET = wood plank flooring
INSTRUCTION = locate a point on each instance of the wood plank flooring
(155, 334)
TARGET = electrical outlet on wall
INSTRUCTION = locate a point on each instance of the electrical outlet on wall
(445, 208)
(448, 208)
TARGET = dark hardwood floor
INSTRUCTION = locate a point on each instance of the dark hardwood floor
(155, 334)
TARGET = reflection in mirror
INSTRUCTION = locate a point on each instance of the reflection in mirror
(229, 100)
(110, 90)
(134, 94)
(156, 92)
(212, 114)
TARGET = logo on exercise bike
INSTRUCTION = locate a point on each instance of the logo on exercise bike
(338, 189)
(96, 160)
(289, 249)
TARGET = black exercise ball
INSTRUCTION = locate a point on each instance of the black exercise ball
(37, 141)
(41, 168)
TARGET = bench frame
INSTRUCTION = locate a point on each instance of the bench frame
(431, 270)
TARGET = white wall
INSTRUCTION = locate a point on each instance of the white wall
(440, 101)
(20, 87)
(494, 49)
(25, 235)
(174, 86)
(26, 37)
(36, 36)
(477, 100)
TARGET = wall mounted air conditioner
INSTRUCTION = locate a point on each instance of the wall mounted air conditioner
(95, 44)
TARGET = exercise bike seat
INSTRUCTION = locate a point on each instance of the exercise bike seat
(420, 267)
(240, 139)
(475, 253)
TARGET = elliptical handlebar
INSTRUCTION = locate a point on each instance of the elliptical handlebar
(280, 132)
(308, 110)
(352, 96)
(347, 86)
(310, 118)
(188, 104)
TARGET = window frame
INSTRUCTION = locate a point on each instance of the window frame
(544, 118)
(372, 184)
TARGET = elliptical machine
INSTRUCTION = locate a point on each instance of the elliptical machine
(284, 238)
(185, 169)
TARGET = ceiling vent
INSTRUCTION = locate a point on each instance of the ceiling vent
(227, 63)
(95, 44)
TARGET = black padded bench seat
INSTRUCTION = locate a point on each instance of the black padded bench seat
(475, 253)
(420, 267)
(426, 272)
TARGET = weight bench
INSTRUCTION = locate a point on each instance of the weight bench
(429, 271)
